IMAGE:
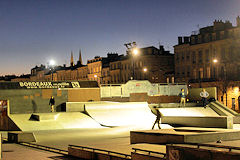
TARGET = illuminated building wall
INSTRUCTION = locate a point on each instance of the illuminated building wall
(195, 55)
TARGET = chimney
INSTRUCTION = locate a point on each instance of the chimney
(179, 40)
(186, 39)
(161, 49)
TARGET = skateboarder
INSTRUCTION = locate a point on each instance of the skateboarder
(183, 95)
(52, 103)
(204, 94)
(158, 118)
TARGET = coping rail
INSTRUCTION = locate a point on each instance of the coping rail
(149, 152)
(101, 150)
(230, 148)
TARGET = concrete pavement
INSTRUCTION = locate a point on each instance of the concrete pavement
(18, 152)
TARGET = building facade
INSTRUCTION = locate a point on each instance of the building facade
(212, 54)
(150, 64)
(211, 58)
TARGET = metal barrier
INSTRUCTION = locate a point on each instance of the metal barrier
(94, 150)
(149, 152)
(46, 148)
(230, 148)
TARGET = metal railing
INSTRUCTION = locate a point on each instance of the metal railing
(46, 148)
(149, 153)
(111, 153)
(229, 148)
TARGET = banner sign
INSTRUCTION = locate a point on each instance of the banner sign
(48, 85)
(42, 85)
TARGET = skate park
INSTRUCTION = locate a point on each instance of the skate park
(113, 120)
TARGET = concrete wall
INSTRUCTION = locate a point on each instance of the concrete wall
(214, 122)
(94, 154)
(194, 93)
(32, 100)
(37, 100)
(134, 86)
(138, 156)
(179, 152)
(83, 95)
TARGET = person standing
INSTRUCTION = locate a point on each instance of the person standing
(52, 103)
(204, 94)
(158, 118)
(183, 95)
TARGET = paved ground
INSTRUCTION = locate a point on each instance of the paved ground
(113, 139)
(18, 152)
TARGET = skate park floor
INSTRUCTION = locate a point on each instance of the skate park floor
(112, 139)
(115, 139)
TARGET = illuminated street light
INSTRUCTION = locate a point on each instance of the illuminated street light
(132, 49)
(225, 82)
(144, 69)
(215, 60)
(135, 51)
(51, 62)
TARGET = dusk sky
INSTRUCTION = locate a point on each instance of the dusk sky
(34, 31)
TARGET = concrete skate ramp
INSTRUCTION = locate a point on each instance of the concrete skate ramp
(52, 121)
(223, 110)
(121, 114)
(190, 111)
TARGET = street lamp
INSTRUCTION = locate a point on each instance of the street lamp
(52, 64)
(215, 60)
(133, 50)
(224, 79)
(144, 69)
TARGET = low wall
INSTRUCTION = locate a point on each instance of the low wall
(163, 99)
(183, 135)
(179, 152)
(96, 154)
(138, 156)
(116, 99)
(143, 97)
(212, 122)
(84, 95)
(33, 97)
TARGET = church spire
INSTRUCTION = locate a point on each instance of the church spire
(80, 57)
(71, 62)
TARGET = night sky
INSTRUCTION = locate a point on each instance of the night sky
(34, 31)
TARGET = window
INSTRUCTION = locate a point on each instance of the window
(177, 58)
(193, 57)
(188, 57)
(141, 63)
(183, 57)
(188, 71)
(194, 74)
(223, 53)
(207, 55)
(200, 56)
(208, 72)
(201, 73)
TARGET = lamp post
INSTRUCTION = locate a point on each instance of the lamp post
(224, 79)
(145, 70)
(52, 64)
(132, 49)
